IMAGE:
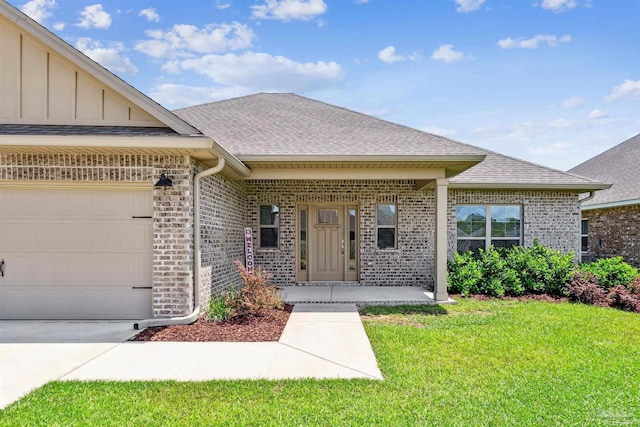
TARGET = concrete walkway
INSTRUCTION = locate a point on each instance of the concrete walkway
(319, 341)
(373, 295)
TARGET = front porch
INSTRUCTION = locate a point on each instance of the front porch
(369, 295)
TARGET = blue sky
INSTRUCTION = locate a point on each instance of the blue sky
(550, 81)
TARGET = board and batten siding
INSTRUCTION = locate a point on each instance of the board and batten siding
(40, 86)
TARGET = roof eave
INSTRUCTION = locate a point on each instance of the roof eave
(96, 70)
(616, 204)
(265, 158)
(529, 186)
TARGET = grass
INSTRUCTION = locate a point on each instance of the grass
(478, 363)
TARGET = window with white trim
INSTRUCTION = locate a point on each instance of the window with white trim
(480, 226)
(386, 226)
(584, 235)
(269, 226)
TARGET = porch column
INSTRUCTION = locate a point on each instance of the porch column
(440, 286)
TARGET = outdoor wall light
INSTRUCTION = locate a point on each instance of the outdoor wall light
(164, 182)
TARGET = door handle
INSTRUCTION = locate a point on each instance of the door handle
(1, 271)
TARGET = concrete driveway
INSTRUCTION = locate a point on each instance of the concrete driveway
(32, 353)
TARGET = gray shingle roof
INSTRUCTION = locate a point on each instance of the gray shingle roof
(289, 124)
(13, 129)
(620, 166)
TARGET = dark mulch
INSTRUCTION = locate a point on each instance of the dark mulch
(236, 329)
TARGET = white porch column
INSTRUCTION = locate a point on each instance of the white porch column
(440, 286)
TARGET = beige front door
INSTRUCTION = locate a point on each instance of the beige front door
(328, 244)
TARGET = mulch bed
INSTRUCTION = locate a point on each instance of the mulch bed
(236, 329)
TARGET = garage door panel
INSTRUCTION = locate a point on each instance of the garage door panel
(63, 302)
(76, 253)
(78, 236)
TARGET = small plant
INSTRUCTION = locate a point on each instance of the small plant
(256, 294)
(219, 308)
(611, 272)
(621, 298)
(584, 288)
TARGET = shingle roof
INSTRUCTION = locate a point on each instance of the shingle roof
(620, 166)
(14, 129)
(289, 124)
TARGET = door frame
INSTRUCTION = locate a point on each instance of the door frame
(344, 208)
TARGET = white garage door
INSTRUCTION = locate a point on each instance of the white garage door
(76, 253)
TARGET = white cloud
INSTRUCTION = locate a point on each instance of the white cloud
(597, 114)
(552, 148)
(109, 57)
(289, 10)
(558, 5)
(560, 123)
(94, 16)
(38, 10)
(59, 26)
(185, 40)
(389, 56)
(468, 5)
(573, 102)
(533, 42)
(177, 96)
(220, 5)
(263, 72)
(151, 14)
(446, 53)
(436, 130)
(361, 1)
(628, 89)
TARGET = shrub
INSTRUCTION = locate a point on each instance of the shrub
(583, 287)
(541, 270)
(611, 272)
(464, 274)
(256, 294)
(620, 297)
(634, 286)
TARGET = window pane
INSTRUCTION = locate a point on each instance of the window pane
(585, 244)
(585, 226)
(505, 221)
(465, 246)
(269, 215)
(505, 243)
(327, 216)
(268, 237)
(386, 214)
(472, 221)
(352, 235)
(386, 238)
(303, 240)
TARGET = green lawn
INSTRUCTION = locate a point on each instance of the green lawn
(478, 363)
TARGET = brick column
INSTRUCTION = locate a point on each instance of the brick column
(440, 286)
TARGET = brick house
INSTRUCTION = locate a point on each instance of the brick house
(113, 207)
(611, 219)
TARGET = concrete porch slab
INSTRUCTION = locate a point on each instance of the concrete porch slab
(372, 295)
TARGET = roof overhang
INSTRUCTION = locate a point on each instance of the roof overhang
(335, 167)
(200, 148)
(577, 187)
(611, 204)
(99, 72)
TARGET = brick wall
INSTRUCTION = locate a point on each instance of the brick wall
(412, 263)
(223, 218)
(172, 213)
(552, 217)
(618, 229)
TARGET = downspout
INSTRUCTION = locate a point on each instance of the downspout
(190, 318)
(591, 195)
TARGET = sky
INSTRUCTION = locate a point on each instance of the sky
(554, 82)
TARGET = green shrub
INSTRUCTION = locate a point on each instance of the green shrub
(464, 274)
(542, 270)
(611, 272)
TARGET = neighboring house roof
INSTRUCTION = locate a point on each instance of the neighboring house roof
(620, 166)
(281, 124)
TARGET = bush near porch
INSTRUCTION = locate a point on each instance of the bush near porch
(538, 270)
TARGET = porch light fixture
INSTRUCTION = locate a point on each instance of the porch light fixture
(164, 182)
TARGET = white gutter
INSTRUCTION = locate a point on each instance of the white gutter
(591, 195)
(612, 204)
(190, 318)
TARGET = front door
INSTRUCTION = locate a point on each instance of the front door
(327, 243)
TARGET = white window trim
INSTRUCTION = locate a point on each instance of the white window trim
(394, 226)
(261, 226)
(487, 238)
(584, 235)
